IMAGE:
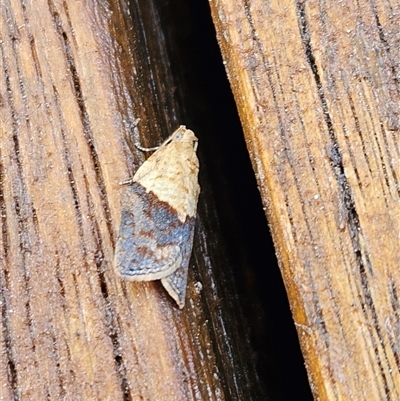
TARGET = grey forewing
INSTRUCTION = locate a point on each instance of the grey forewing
(149, 225)
(178, 279)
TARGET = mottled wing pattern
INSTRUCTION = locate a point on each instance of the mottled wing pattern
(151, 237)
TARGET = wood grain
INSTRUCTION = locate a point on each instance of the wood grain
(76, 76)
(317, 90)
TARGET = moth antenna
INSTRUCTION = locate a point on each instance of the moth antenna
(143, 149)
(126, 182)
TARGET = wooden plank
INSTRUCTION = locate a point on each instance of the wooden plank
(316, 86)
(76, 77)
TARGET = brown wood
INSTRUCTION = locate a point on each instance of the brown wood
(317, 89)
(73, 86)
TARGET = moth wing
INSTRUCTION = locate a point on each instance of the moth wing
(150, 237)
(175, 283)
(171, 174)
(156, 232)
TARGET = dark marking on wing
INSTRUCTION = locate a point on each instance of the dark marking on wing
(152, 242)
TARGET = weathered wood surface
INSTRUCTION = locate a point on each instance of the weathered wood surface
(72, 86)
(317, 89)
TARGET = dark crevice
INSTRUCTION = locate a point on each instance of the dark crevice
(344, 188)
(209, 109)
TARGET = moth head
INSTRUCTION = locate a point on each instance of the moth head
(183, 135)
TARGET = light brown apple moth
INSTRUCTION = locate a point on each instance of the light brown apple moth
(155, 237)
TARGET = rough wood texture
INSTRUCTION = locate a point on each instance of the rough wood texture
(318, 93)
(72, 86)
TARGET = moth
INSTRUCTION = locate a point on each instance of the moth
(155, 237)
